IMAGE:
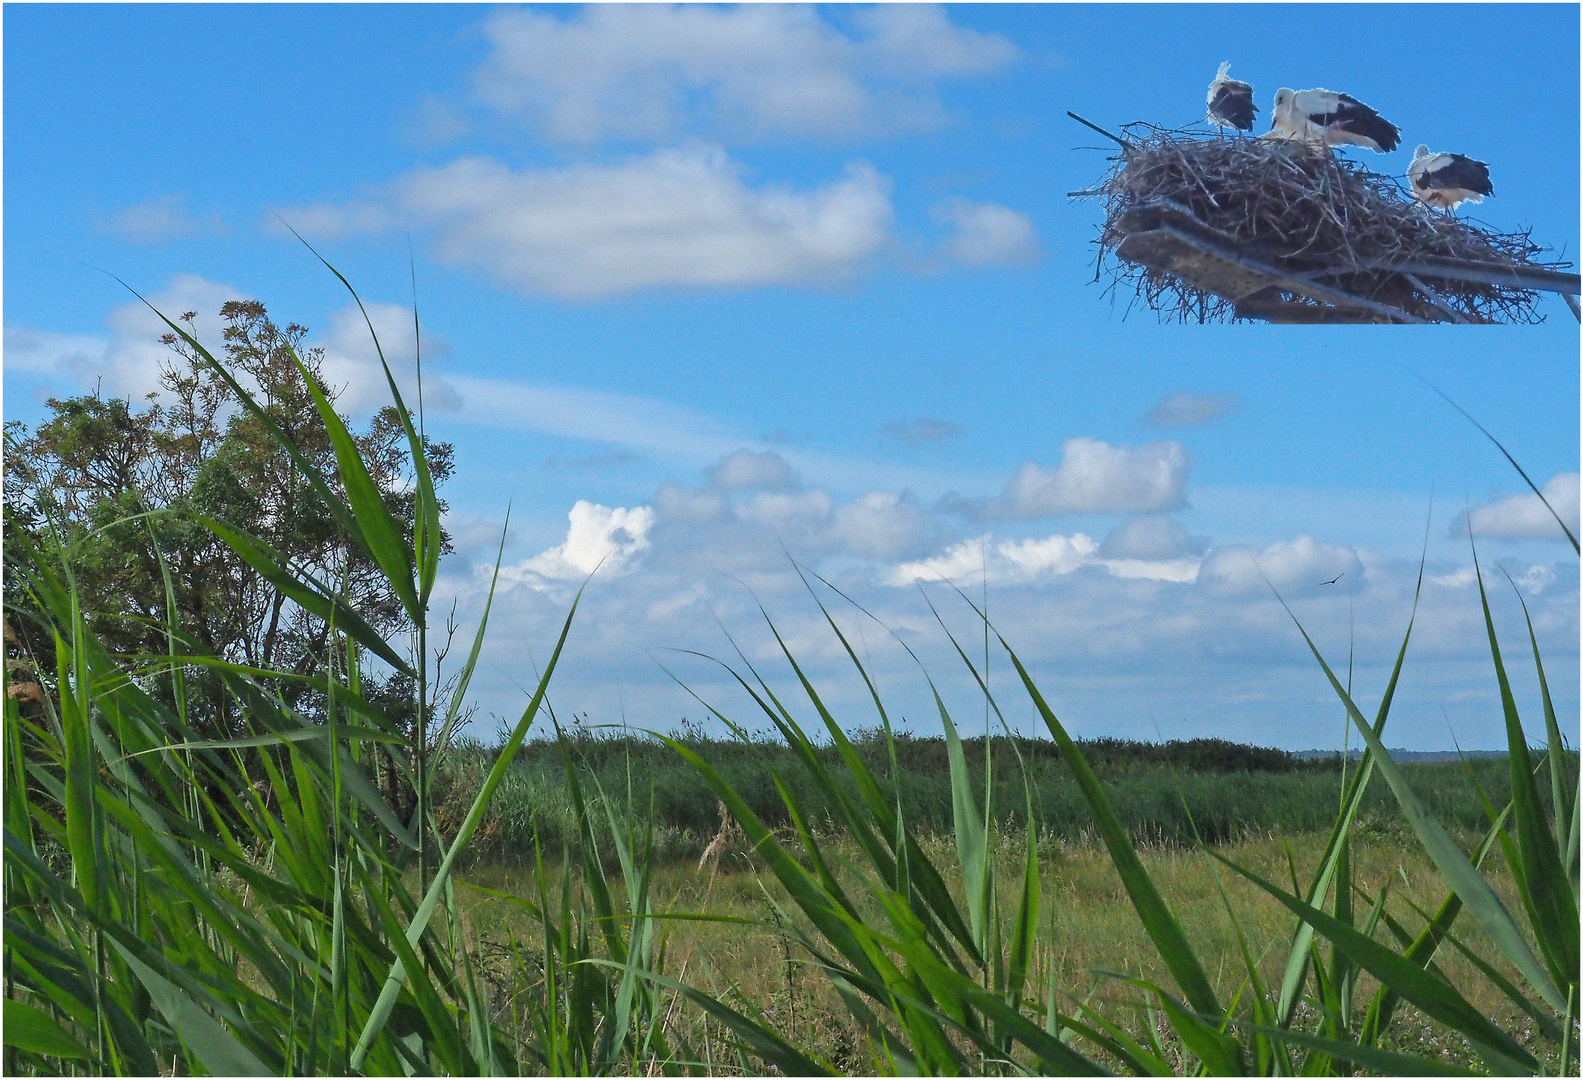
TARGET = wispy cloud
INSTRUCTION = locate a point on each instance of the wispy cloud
(1180, 408)
(986, 234)
(161, 220)
(925, 429)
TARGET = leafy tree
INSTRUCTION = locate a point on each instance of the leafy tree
(123, 486)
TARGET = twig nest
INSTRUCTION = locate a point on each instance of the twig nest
(1213, 227)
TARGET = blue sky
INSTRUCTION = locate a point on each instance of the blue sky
(699, 282)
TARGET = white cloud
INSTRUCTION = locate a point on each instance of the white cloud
(674, 218)
(1181, 408)
(598, 537)
(753, 469)
(126, 362)
(1150, 538)
(986, 234)
(1093, 477)
(883, 525)
(650, 72)
(1525, 516)
(1054, 554)
(1021, 562)
(351, 360)
(160, 220)
(1533, 579)
(1295, 567)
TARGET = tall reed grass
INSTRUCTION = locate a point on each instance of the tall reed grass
(247, 906)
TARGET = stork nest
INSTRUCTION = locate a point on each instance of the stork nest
(1303, 212)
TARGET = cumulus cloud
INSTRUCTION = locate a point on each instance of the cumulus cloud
(1093, 477)
(674, 218)
(883, 525)
(986, 234)
(753, 469)
(598, 537)
(1150, 538)
(161, 220)
(1295, 567)
(1525, 516)
(1180, 408)
(1027, 561)
(925, 429)
(650, 72)
(1533, 579)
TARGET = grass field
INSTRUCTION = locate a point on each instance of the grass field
(1091, 928)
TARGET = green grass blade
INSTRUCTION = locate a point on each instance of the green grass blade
(1546, 894)
(465, 676)
(760, 1038)
(1433, 996)
(1422, 949)
(1158, 921)
(1297, 956)
(220, 1052)
(33, 1030)
(1443, 851)
(312, 597)
(420, 920)
(971, 842)
(1383, 1062)
(380, 533)
(1217, 1052)
(426, 526)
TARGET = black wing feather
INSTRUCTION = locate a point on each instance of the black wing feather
(1234, 104)
(1353, 116)
(1463, 172)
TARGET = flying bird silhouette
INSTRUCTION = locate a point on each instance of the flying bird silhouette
(1335, 579)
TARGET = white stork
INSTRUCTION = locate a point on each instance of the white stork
(1443, 180)
(1324, 116)
(1230, 102)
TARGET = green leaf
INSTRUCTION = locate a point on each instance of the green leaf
(426, 527)
(1433, 996)
(1383, 1062)
(971, 842)
(35, 1031)
(1443, 851)
(420, 919)
(1219, 1054)
(1158, 921)
(759, 1038)
(216, 1048)
(381, 535)
(1545, 892)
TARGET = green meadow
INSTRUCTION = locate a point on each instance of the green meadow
(297, 863)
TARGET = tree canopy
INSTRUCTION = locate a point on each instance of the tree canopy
(121, 485)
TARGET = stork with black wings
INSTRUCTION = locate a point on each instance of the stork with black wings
(1443, 180)
(1324, 116)
(1230, 102)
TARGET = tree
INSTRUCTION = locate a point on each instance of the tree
(123, 487)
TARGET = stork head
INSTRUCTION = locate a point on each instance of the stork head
(1422, 151)
(1225, 66)
(1283, 97)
